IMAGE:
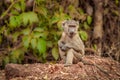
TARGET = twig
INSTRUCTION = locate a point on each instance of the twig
(34, 5)
(6, 12)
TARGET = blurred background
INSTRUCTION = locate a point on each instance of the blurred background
(30, 29)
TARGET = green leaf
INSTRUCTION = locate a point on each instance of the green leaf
(36, 34)
(81, 11)
(0, 39)
(21, 56)
(25, 18)
(42, 34)
(17, 7)
(59, 17)
(2, 29)
(33, 43)
(15, 21)
(61, 9)
(71, 7)
(5, 61)
(26, 31)
(38, 29)
(15, 36)
(15, 56)
(115, 12)
(14, 12)
(86, 26)
(41, 46)
(117, 2)
(33, 17)
(15, 53)
(54, 19)
(83, 35)
(66, 17)
(18, 19)
(41, 10)
(22, 3)
(89, 20)
(26, 41)
(44, 55)
(29, 18)
(95, 46)
(49, 44)
(55, 53)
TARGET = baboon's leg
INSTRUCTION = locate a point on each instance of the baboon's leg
(78, 55)
(75, 47)
(69, 57)
(62, 55)
(75, 60)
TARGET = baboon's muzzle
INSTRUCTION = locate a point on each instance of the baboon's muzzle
(71, 33)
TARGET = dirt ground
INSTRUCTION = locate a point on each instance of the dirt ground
(2, 75)
(106, 69)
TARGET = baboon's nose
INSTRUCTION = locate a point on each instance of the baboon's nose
(71, 33)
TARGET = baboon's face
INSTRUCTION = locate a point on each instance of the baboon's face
(70, 27)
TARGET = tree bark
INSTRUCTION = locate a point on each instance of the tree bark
(98, 25)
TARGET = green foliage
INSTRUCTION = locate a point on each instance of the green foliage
(115, 12)
(34, 43)
(73, 12)
(86, 26)
(15, 36)
(39, 30)
(41, 46)
(84, 35)
(15, 21)
(59, 17)
(26, 41)
(117, 2)
(42, 10)
(5, 61)
(89, 20)
(81, 11)
(95, 46)
(26, 31)
(0, 39)
(16, 56)
(55, 53)
(29, 18)
(22, 5)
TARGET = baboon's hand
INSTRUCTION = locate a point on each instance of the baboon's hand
(63, 46)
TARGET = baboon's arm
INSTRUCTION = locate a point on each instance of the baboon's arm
(77, 44)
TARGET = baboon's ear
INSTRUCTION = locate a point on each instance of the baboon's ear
(77, 23)
(63, 23)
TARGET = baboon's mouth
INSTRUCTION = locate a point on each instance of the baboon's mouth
(72, 34)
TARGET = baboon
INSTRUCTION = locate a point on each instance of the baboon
(71, 47)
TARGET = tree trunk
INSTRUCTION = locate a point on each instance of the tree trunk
(98, 25)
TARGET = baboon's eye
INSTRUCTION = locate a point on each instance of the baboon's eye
(72, 26)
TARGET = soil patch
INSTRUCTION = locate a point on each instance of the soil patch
(80, 71)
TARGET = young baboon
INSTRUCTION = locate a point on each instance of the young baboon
(71, 47)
